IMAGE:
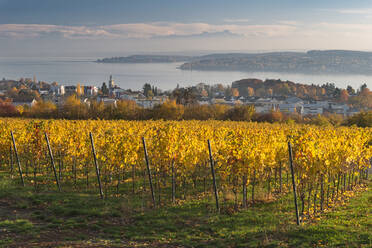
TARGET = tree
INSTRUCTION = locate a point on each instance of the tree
(198, 112)
(78, 89)
(204, 93)
(127, 110)
(363, 119)
(240, 113)
(284, 90)
(362, 87)
(185, 96)
(42, 109)
(104, 89)
(350, 90)
(169, 110)
(228, 92)
(344, 96)
(234, 92)
(7, 109)
(147, 89)
(270, 92)
(363, 100)
(73, 108)
(261, 92)
(250, 91)
(96, 109)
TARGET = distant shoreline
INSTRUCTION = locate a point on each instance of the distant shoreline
(339, 62)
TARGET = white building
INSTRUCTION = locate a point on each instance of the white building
(111, 83)
(109, 101)
(266, 105)
(90, 90)
(28, 103)
(58, 90)
(148, 103)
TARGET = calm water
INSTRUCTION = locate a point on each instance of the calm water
(69, 71)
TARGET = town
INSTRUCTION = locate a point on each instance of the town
(265, 96)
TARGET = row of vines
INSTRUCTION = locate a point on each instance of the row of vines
(249, 159)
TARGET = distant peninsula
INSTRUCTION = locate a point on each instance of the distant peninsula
(311, 62)
(146, 59)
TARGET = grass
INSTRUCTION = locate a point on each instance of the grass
(51, 219)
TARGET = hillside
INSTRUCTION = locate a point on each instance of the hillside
(272, 87)
(319, 62)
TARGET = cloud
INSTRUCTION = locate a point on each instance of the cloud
(289, 30)
(36, 30)
(289, 22)
(228, 20)
(355, 11)
(144, 30)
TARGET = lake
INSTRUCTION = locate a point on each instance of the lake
(69, 71)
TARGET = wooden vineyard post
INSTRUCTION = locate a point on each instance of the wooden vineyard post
(293, 181)
(149, 171)
(173, 184)
(245, 191)
(52, 161)
(17, 158)
(11, 159)
(213, 176)
(96, 164)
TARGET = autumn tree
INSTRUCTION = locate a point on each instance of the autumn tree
(96, 109)
(204, 93)
(344, 96)
(169, 110)
(234, 92)
(7, 109)
(73, 108)
(198, 112)
(362, 100)
(127, 110)
(78, 89)
(261, 92)
(250, 91)
(42, 109)
(269, 92)
(240, 113)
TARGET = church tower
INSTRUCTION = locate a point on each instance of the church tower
(111, 83)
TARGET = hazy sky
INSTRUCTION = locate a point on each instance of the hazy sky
(119, 27)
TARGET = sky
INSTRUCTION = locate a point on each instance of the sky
(102, 28)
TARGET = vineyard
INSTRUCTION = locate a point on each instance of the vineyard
(160, 163)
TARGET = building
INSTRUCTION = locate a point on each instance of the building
(122, 94)
(265, 105)
(27, 103)
(71, 89)
(313, 109)
(341, 109)
(108, 101)
(90, 90)
(290, 108)
(150, 103)
(58, 90)
(111, 83)
(352, 112)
